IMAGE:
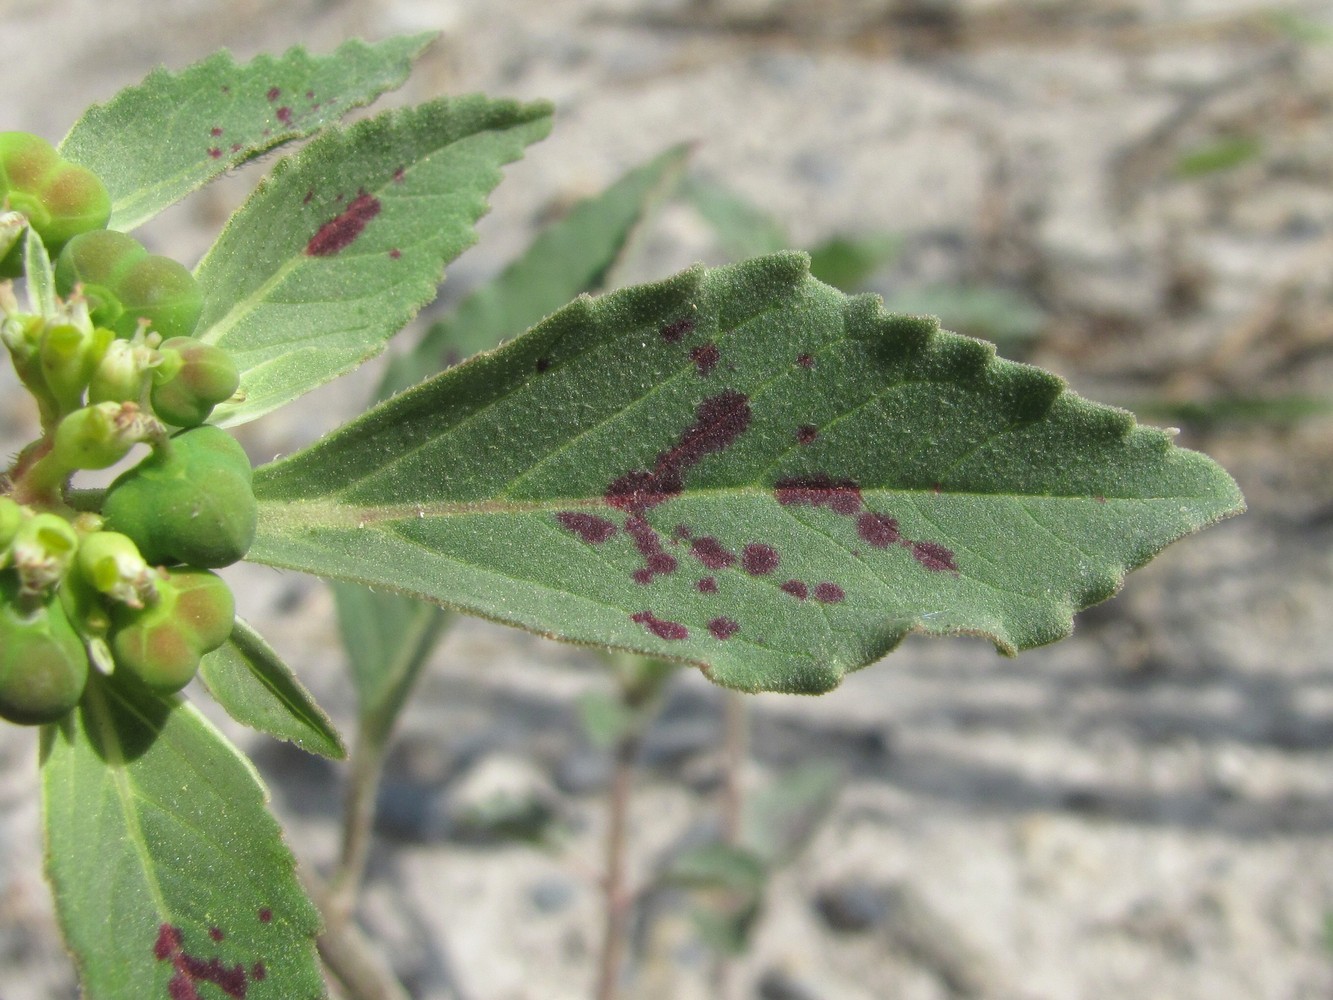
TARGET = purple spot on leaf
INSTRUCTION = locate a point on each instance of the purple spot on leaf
(589, 527)
(805, 360)
(395, 254)
(712, 553)
(658, 627)
(723, 628)
(706, 585)
(342, 230)
(215, 153)
(676, 329)
(934, 556)
(759, 559)
(274, 93)
(215, 131)
(829, 593)
(842, 496)
(285, 115)
(705, 359)
(879, 530)
(719, 421)
(796, 588)
(543, 364)
(807, 433)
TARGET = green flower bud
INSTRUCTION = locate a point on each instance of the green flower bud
(43, 665)
(200, 376)
(123, 374)
(70, 353)
(111, 563)
(163, 643)
(190, 502)
(99, 436)
(43, 549)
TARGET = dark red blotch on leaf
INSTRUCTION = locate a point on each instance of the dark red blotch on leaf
(341, 231)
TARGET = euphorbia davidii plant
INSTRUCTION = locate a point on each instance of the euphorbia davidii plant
(738, 468)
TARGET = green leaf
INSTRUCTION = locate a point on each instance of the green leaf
(987, 311)
(782, 817)
(154, 143)
(570, 256)
(744, 469)
(168, 872)
(349, 238)
(727, 888)
(1222, 154)
(388, 640)
(743, 229)
(848, 262)
(247, 678)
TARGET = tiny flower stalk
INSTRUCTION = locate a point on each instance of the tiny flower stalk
(94, 437)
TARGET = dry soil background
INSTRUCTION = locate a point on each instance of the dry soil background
(1142, 811)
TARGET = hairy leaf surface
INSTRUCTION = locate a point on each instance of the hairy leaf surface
(154, 143)
(170, 877)
(248, 679)
(347, 239)
(744, 469)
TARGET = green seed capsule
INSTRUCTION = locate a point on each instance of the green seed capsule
(58, 198)
(163, 643)
(43, 665)
(99, 262)
(204, 377)
(190, 502)
(124, 284)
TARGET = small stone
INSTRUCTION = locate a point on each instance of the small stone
(852, 907)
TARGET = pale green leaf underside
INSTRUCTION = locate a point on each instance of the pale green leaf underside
(347, 239)
(248, 679)
(388, 639)
(154, 143)
(163, 858)
(815, 478)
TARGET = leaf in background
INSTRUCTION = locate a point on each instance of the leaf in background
(782, 817)
(388, 640)
(987, 311)
(743, 229)
(170, 877)
(727, 889)
(154, 143)
(1224, 154)
(247, 678)
(744, 469)
(848, 262)
(347, 239)
(570, 256)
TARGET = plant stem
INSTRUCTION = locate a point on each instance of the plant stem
(363, 781)
(357, 964)
(736, 738)
(618, 899)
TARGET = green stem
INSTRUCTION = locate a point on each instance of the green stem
(366, 766)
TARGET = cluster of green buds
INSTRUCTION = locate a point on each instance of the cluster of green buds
(117, 580)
